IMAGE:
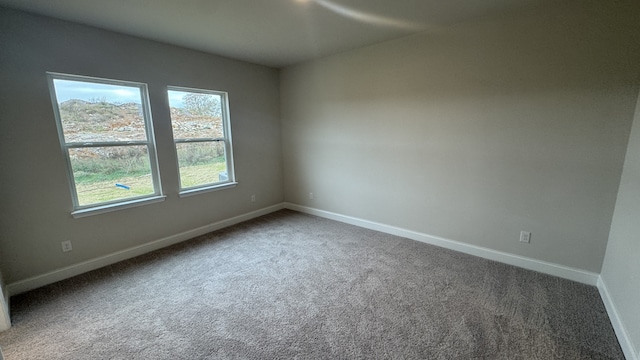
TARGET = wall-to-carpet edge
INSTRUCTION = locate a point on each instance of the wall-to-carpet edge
(85, 266)
(565, 272)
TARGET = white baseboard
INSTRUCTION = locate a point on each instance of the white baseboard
(582, 276)
(85, 266)
(618, 326)
(578, 275)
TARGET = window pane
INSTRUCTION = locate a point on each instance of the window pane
(195, 115)
(111, 173)
(95, 112)
(202, 163)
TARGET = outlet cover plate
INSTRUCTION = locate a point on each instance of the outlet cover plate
(66, 246)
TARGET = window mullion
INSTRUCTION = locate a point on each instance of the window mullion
(192, 140)
(75, 145)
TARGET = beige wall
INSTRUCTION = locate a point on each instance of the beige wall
(621, 269)
(474, 132)
(35, 201)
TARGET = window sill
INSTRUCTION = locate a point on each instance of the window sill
(205, 189)
(115, 207)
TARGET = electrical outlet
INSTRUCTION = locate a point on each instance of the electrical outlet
(310, 196)
(66, 246)
(525, 237)
(253, 198)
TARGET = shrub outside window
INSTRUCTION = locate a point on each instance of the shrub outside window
(202, 136)
(106, 134)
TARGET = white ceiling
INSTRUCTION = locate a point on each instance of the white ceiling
(270, 32)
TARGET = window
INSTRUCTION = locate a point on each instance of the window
(202, 136)
(106, 134)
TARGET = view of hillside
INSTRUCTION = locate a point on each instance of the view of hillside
(99, 121)
(106, 173)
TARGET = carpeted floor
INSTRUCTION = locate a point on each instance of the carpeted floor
(290, 285)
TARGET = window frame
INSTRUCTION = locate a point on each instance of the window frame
(226, 140)
(106, 206)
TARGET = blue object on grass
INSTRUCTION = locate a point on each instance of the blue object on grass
(123, 186)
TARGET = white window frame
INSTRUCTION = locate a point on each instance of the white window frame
(226, 140)
(107, 206)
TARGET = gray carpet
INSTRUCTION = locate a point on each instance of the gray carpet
(290, 285)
